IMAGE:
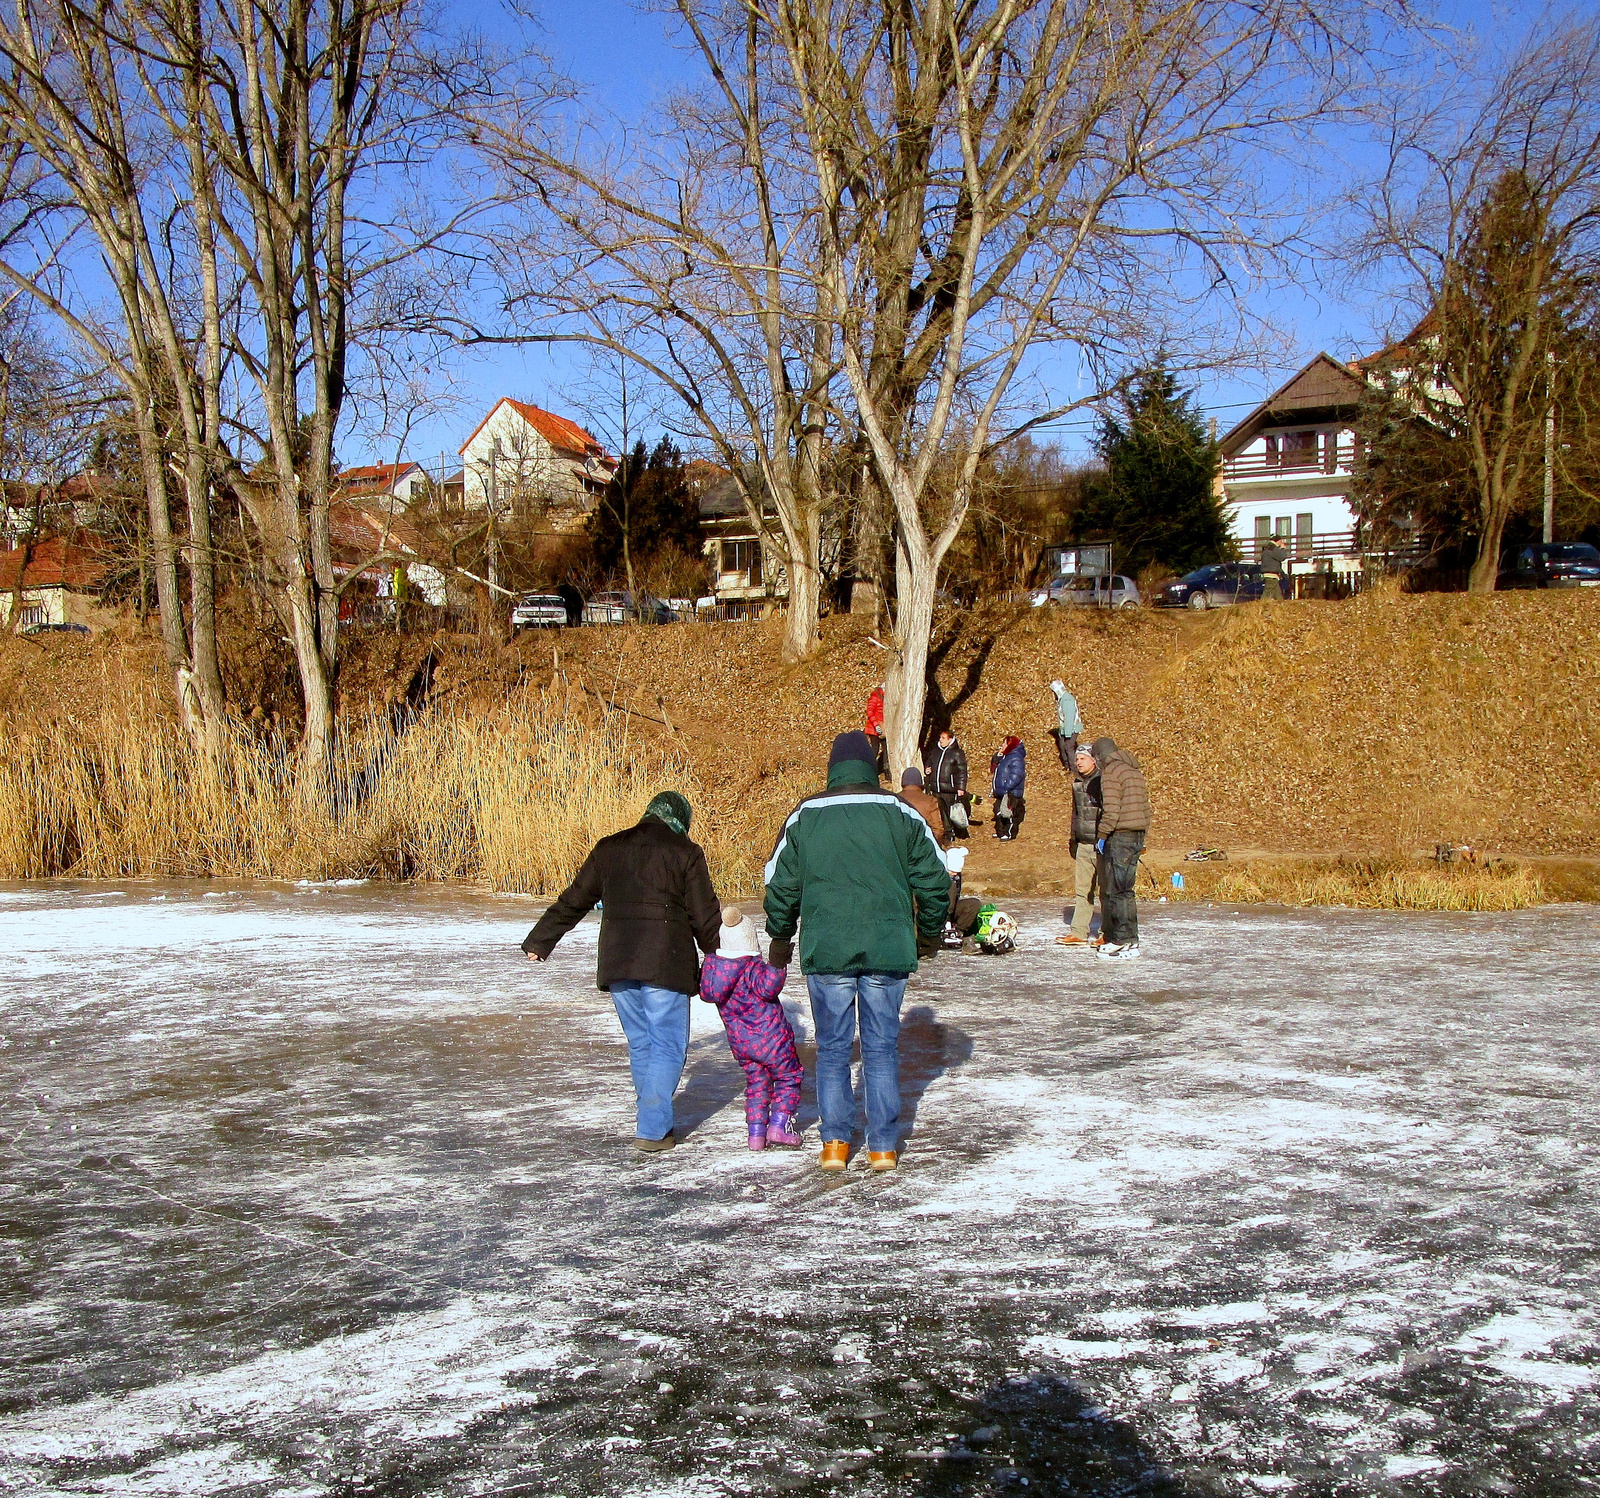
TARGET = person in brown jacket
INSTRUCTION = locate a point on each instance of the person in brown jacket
(926, 805)
(1124, 821)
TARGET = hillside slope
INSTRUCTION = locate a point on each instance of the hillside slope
(1384, 723)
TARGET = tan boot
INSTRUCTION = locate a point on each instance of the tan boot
(1073, 941)
(835, 1155)
(882, 1159)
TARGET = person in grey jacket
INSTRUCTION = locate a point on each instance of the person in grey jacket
(1124, 821)
(1085, 834)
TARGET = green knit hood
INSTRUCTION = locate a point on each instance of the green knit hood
(852, 772)
(672, 809)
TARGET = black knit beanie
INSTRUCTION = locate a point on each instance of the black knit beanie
(853, 745)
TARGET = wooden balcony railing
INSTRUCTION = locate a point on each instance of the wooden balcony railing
(1299, 463)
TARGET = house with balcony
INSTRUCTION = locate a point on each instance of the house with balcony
(747, 577)
(1287, 470)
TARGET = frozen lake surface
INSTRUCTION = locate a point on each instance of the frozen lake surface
(325, 1190)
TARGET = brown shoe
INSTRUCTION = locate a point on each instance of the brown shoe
(650, 1146)
(835, 1155)
(882, 1159)
(1073, 941)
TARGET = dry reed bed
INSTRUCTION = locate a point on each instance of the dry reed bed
(513, 797)
(1361, 884)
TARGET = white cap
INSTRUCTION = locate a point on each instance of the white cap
(738, 935)
(1058, 687)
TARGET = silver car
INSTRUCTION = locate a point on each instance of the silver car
(539, 611)
(1115, 592)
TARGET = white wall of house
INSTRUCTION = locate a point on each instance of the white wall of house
(1295, 482)
(39, 606)
(509, 456)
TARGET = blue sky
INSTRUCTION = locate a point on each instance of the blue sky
(625, 57)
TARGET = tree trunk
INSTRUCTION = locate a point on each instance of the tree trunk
(800, 631)
(1486, 565)
(906, 684)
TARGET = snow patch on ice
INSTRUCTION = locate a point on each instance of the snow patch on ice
(420, 1376)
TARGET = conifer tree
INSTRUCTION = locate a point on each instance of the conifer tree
(1156, 501)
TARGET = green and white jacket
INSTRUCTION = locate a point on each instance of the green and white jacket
(858, 871)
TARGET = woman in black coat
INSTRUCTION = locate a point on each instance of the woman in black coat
(658, 904)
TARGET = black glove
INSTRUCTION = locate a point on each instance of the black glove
(927, 947)
(781, 952)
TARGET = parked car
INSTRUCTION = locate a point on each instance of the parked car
(618, 608)
(1114, 592)
(539, 611)
(1213, 587)
(56, 629)
(1552, 564)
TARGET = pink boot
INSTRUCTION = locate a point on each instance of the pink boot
(781, 1131)
(758, 1139)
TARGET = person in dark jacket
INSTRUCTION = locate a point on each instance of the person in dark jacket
(1124, 821)
(1086, 803)
(944, 775)
(858, 873)
(1010, 767)
(658, 904)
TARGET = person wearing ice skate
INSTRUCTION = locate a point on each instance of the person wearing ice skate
(658, 904)
(745, 990)
(858, 873)
(1085, 835)
(1124, 821)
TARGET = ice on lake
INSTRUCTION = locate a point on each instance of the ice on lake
(325, 1190)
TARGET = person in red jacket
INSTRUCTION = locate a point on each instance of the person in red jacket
(874, 728)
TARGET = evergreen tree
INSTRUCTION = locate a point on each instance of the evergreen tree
(646, 510)
(1156, 501)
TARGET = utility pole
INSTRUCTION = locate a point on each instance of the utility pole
(1550, 447)
(494, 501)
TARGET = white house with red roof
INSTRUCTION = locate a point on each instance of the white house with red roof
(397, 481)
(522, 457)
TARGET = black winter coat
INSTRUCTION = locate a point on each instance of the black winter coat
(944, 771)
(658, 903)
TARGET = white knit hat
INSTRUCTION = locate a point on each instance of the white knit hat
(738, 934)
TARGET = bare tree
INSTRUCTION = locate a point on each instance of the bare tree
(241, 165)
(689, 248)
(990, 178)
(1491, 210)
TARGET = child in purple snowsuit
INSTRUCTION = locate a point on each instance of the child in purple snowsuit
(745, 990)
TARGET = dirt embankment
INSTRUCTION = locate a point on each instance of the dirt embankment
(1383, 724)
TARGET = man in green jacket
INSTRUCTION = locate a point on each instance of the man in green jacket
(858, 872)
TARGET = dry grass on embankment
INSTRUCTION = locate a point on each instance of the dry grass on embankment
(513, 798)
(1289, 735)
(1359, 884)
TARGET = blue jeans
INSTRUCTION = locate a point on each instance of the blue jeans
(835, 998)
(656, 1022)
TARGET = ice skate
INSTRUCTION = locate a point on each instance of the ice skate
(758, 1139)
(781, 1131)
(835, 1155)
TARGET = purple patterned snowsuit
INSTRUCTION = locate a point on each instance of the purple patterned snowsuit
(745, 991)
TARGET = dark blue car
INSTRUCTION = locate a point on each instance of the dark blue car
(1552, 564)
(1212, 587)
